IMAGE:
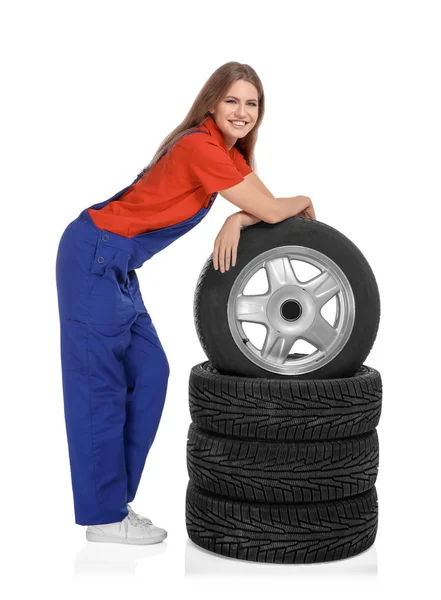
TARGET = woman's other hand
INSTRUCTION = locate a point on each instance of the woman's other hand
(226, 242)
(308, 212)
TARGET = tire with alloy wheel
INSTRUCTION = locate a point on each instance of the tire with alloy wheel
(296, 283)
(285, 409)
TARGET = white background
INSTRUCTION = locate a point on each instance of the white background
(352, 120)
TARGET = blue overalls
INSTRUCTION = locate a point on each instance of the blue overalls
(114, 368)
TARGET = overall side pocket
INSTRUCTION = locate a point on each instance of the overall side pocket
(73, 343)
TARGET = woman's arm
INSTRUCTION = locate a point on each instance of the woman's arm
(246, 219)
(255, 203)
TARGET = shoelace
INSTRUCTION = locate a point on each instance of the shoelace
(136, 519)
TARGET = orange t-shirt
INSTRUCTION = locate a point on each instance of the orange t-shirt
(196, 166)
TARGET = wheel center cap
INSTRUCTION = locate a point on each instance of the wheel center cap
(291, 310)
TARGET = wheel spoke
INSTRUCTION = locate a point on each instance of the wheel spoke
(322, 288)
(321, 334)
(252, 308)
(280, 273)
(277, 346)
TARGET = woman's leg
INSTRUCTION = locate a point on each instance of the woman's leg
(147, 372)
(96, 314)
(94, 389)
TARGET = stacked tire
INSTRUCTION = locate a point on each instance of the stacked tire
(282, 451)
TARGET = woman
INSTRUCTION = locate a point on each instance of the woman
(114, 369)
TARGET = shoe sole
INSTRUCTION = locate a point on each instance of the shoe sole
(95, 537)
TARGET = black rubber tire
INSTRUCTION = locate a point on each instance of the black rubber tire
(285, 410)
(281, 533)
(282, 472)
(213, 289)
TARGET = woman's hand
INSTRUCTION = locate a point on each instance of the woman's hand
(308, 212)
(226, 242)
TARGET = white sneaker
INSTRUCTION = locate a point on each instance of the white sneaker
(131, 530)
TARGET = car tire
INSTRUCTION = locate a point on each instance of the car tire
(285, 410)
(281, 533)
(282, 472)
(292, 308)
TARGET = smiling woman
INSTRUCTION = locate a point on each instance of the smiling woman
(239, 106)
(110, 350)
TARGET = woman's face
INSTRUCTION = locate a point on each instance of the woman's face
(239, 104)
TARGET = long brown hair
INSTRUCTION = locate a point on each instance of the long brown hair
(213, 91)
